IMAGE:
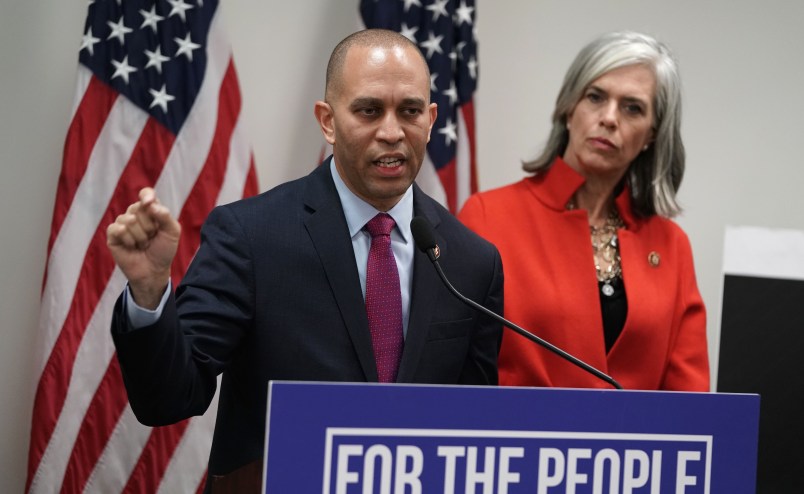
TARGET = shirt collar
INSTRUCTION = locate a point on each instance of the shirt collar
(358, 212)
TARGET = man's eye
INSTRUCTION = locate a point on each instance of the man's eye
(369, 112)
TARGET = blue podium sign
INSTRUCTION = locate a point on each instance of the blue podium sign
(417, 439)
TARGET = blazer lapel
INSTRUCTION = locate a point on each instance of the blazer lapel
(423, 293)
(330, 235)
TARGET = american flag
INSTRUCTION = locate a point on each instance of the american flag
(445, 32)
(157, 104)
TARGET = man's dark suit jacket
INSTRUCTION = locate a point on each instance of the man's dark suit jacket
(273, 294)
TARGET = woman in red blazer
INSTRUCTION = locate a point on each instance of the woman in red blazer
(592, 261)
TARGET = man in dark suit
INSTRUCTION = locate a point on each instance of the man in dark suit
(276, 290)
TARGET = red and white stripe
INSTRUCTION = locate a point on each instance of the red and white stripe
(84, 437)
(453, 184)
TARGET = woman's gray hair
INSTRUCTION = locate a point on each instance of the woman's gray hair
(655, 174)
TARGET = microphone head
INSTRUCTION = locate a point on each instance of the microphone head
(423, 234)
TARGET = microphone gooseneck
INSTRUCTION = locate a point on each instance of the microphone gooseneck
(425, 240)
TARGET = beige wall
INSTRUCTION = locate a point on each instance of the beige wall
(741, 65)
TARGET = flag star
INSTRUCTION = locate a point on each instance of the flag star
(472, 66)
(439, 8)
(155, 59)
(463, 14)
(452, 92)
(433, 87)
(433, 44)
(89, 41)
(408, 3)
(457, 53)
(161, 98)
(459, 49)
(186, 47)
(409, 32)
(450, 132)
(150, 18)
(178, 7)
(119, 30)
(453, 56)
(122, 69)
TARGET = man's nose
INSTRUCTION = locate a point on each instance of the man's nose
(390, 129)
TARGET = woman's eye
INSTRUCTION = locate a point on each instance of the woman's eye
(633, 109)
(594, 97)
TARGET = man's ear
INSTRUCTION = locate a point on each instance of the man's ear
(324, 115)
(433, 111)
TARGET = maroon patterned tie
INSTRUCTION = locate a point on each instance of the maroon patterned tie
(383, 299)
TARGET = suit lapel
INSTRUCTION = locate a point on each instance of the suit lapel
(330, 236)
(423, 293)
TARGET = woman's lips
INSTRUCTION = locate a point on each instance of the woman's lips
(602, 143)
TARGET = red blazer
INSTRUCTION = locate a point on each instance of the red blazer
(551, 289)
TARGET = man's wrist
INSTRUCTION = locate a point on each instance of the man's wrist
(148, 295)
(139, 317)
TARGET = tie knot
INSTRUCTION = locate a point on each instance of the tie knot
(382, 224)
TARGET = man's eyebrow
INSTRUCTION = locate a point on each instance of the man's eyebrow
(368, 101)
(365, 101)
(417, 102)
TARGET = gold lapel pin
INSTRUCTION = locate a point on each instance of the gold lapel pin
(653, 259)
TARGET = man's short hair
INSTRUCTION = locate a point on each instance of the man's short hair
(383, 38)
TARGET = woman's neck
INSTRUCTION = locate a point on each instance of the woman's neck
(597, 199)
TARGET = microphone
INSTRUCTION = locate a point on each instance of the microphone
(425, 240)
